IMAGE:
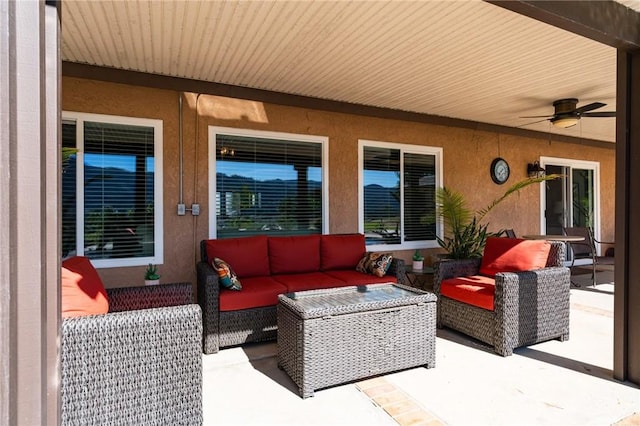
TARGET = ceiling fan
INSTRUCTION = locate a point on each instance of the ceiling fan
(566, 113)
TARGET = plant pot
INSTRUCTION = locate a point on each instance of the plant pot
(151, 282)
(418, 265)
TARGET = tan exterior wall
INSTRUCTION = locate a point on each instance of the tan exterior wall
(467, 155)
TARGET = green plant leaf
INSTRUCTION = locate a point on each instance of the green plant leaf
(516, 187)
(465, 237)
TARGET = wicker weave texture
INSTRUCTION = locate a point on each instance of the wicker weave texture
(140, 367)
(158, 296)
(530, 307)
(249, 325)
(334, 349)
(223, 329)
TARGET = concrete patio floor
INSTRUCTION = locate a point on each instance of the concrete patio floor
(551, 383)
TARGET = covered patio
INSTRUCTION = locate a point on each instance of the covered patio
(591, 379)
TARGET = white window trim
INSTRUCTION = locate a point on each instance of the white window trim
(404, 148)
(80, 117)
(231, 131)
(577, 164)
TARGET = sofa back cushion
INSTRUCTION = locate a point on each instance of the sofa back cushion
(248, 256)
(513, 255)
(341, 251)
(293, 255)
(82, 291)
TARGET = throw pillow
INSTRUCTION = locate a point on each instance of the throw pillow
(226, 275)
(375, 263)
(82, 291)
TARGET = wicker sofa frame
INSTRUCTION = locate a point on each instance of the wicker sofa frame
(140, 363)
(231, 328)
(529, 307)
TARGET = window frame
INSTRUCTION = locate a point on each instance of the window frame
(404, 149)
(158, 204)
(264, 134)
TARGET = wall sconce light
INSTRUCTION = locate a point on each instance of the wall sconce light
(535, 171)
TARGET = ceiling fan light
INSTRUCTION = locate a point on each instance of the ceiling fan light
(564, 122)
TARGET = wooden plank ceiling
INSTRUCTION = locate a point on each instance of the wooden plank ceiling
(470, 60)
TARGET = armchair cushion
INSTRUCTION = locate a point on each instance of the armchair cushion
(82, 291)
(476, 290)
(513, 255)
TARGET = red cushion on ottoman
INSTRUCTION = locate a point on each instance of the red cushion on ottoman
(248, 256)
(476, 290)
(82, 291)
(341, 251)
(513, 255)
(291, 255)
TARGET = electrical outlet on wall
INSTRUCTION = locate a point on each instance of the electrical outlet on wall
(195, 209)
(181, 210)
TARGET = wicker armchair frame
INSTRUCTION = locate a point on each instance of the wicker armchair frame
(529, 307)
(223, 329)
(140, 363)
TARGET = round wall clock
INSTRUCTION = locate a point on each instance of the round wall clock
(499, 170)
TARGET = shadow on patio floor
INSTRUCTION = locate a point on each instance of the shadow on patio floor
(551, 383)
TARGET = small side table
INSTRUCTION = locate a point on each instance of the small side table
(420, 278)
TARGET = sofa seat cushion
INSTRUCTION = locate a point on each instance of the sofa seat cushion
(256, 292)
(352, 277)
(476, 290)
(82, 291)
(341, 251)
(308, 281)
(248, 256)
(294, 255)
(513, 255)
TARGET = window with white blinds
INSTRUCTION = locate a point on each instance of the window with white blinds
(112, 189)
(397, 195)
(266, 183)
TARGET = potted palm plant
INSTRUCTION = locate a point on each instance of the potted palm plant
(465, 235)
(151, 276)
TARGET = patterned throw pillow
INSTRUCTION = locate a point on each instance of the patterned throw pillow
(228, 278)
(375, 263)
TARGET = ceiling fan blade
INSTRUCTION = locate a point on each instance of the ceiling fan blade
(589, 107)
(533, 122)
(537, 116)
(600, 114)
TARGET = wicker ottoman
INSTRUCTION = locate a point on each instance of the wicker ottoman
(328, 337)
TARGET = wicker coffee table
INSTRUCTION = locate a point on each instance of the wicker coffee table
(329, 337)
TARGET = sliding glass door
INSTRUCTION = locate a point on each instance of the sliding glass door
(573, 200)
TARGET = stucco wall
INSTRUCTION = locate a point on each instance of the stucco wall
(467, 155)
